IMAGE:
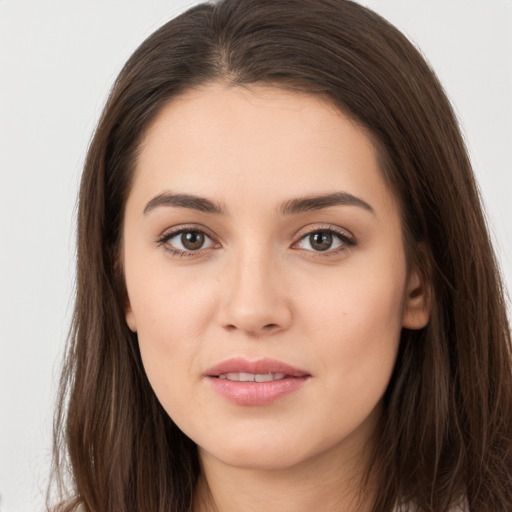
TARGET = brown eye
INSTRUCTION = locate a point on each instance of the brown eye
(321, 240)
(329, 241)
(186, 241)
(192, 240)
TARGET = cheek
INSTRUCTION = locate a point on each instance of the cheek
(171, 310)
(355, 322)
(164, 299)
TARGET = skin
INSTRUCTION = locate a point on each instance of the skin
(259, 287)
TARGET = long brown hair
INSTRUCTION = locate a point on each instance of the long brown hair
(446, 429)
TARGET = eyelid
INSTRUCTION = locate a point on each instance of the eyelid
(348, 240)
(313, 228)
(170, 233)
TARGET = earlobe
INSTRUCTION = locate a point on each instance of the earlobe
(130, 317)
(418, 301)
(121, 286)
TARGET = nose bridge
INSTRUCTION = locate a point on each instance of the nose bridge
(255, 300)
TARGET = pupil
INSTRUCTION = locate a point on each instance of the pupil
(192, 240)
(321, 241)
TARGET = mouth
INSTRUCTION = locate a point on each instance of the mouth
(252, 383)
(240, 369)
(252, 377)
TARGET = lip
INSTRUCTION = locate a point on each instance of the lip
(260, 366)
(255, 393)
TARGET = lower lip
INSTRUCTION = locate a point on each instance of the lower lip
(256, 393)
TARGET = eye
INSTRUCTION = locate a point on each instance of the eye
(186, 241)
(325, 240)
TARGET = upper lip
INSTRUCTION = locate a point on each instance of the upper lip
(260, 366)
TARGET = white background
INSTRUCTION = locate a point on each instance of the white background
(57, 62)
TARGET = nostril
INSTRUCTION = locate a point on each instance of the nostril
(265, 328)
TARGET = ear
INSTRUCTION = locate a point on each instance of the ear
(418, 301)
(129, 316)
(121, 288)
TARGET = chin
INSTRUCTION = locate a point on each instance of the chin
(257, 460)
(260, 454)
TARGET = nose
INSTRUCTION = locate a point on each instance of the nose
(254, 298)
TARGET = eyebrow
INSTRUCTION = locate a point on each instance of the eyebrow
(185, 201)
(318, 202)
(291, 207)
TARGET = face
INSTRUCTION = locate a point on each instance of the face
(266, 275)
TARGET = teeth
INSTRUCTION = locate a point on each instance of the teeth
(267, 377)
(252, 377)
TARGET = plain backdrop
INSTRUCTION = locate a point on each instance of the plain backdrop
(58, 60)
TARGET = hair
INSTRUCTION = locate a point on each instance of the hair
(445, 432)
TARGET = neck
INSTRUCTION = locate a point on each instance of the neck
(329, 482)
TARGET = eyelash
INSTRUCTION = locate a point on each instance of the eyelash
(346, 241)
(164, 239)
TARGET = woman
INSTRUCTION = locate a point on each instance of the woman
(286, 294)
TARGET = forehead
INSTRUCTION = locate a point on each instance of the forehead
(257, 143)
